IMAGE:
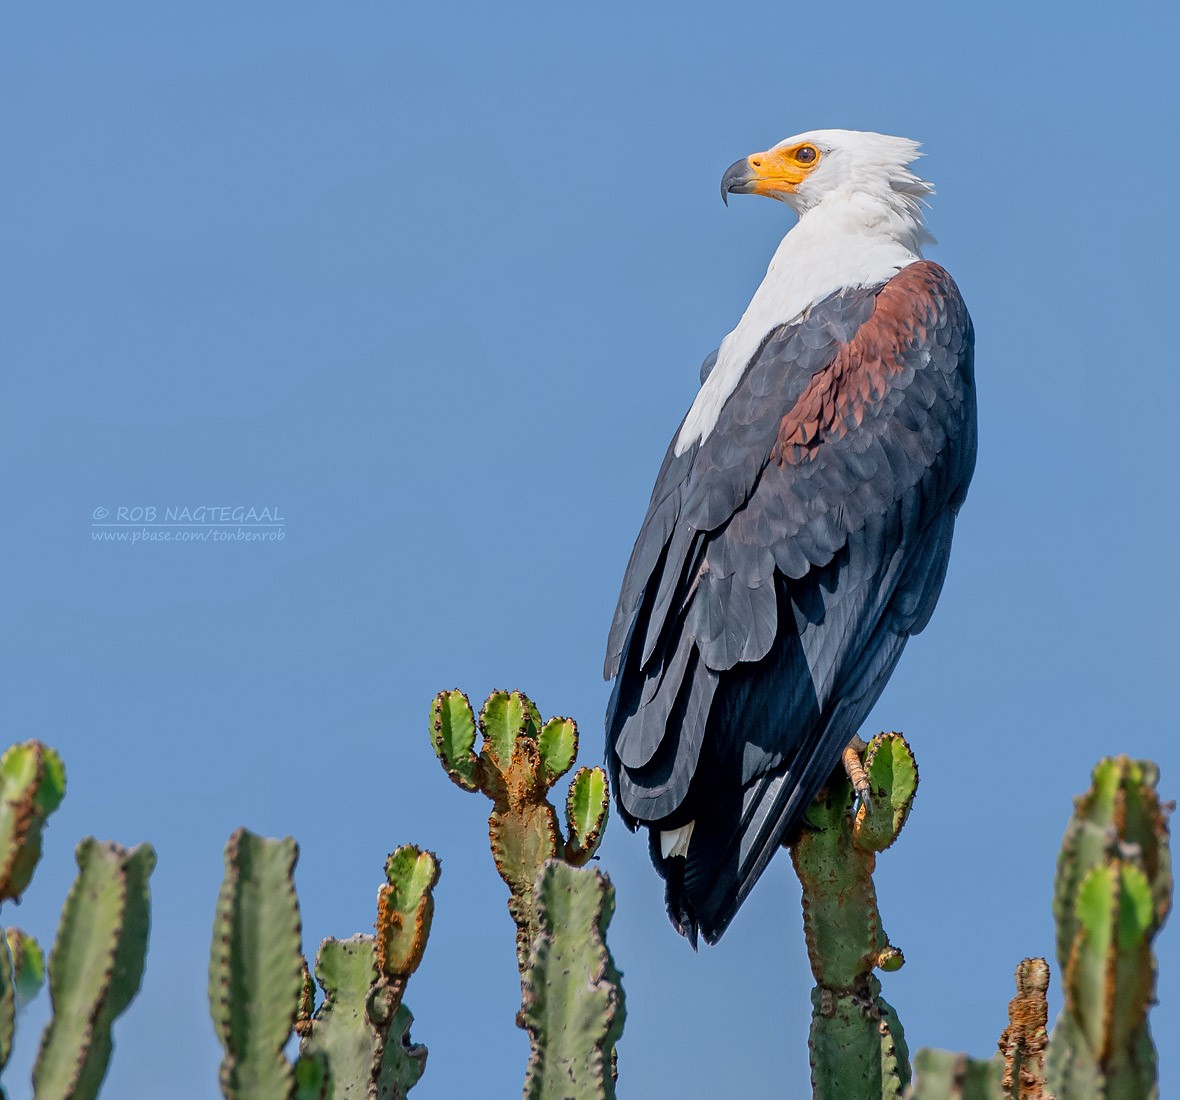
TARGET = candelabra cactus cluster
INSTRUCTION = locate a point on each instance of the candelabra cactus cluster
(518, 763)
(572, 995)
(357, 1042)
(96, 965)
(1112, 893)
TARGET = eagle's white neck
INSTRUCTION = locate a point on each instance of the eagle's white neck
(850, 239)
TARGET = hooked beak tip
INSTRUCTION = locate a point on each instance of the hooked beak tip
(736, 180)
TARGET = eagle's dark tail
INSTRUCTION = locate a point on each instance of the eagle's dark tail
(733, 839)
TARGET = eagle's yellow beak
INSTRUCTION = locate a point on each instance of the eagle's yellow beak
(775, 173)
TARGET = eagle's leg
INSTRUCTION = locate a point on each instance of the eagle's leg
(851, 759)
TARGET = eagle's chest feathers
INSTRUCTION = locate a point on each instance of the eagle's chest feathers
(844, 243)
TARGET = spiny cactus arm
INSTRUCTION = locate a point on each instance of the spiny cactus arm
(1112, 893)
(452, 733)
(405, 908)
(944, 1075)
(256, 966)
(7, 1006)
(311, 1079)
(1121, 806)
(402, 1061)
(558, 745)
(835, 859)
(857, 1045)
(846, 1064)
(22, 973)
(32, 786)
(341, 1034)
(28, 964)
(1023, 1043)
(573, 1006)
(586, 809)
(95, 967)
(892, 774)
(522, 840)
(504, 718)
(357, 1033)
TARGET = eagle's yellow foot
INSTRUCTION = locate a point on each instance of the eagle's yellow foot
(851, 759)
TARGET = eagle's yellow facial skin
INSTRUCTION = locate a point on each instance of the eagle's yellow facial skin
(780, 171)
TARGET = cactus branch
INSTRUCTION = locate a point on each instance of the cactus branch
(32, 785)
(95, 967)
(573, 999)
(256, 966)
(857, 1045)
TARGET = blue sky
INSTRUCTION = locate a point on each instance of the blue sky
(434, 283)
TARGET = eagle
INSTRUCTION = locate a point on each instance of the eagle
(800, 525)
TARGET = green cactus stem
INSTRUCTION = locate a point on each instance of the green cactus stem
(519, 761)
(573, 1008)
(857, 1045)
(32, 785)
(22, 973)
(943, 1075)
(586, 809)
(360, 1035)
(256, 966)
(1016, 1073)
(28, 964)
(1023, 1043)
(1112, 893)
(95, 967)
(405, 908)
(361, 1031)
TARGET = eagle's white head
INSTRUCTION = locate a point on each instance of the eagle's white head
(860, 222)
(809, 169)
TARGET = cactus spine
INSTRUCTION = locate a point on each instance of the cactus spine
(356, 1044)
(1113, 891)
(519, 761)
(857, 1044)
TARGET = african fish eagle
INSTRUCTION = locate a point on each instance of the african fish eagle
(800, 525)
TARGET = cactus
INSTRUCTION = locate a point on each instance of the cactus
(1016, 1073)
(1022, 1045)
(573, 1007)
(1112, 893)
(357, 1043)
(22, 973)
(571, 993)
(95, 967)
(361, 1030)
(518, 763)
(256, 966)
(857, 1045)
(941, 1075)
(32, 785)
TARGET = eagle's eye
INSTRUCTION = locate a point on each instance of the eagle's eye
(806, 154)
